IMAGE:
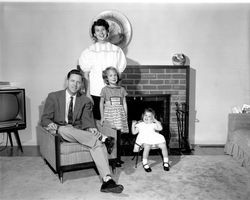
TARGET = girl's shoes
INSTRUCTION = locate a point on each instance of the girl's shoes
(119, 163)
(147, 168)
(166, 166)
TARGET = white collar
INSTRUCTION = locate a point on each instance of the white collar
(68, 95)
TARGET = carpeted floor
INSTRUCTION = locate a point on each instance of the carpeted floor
(190, 178)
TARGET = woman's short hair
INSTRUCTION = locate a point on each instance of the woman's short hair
(99, 22)
(105, 74)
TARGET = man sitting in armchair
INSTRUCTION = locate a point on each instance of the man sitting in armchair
(69, 113)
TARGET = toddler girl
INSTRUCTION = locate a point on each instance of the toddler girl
(148, 137)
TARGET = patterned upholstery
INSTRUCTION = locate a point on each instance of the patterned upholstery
(68, 148)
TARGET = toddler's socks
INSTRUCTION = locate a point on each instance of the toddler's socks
(144, 162)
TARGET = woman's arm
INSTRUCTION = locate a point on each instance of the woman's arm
(121, 61)
(87, 85)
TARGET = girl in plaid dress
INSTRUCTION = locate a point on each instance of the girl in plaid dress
(113, 105)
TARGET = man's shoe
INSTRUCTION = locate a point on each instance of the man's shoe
(118, 164)
(121, 162)
(110, 142)
(111, 186)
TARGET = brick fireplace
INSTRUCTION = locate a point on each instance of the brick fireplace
(160, 80)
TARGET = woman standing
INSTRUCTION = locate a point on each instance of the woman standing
(96, 58)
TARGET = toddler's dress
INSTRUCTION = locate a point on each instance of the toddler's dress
(114, 111)
(147, 135)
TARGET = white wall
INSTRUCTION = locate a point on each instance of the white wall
(1, 44)
(42, 42)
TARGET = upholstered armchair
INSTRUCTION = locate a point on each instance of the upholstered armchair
(63, 156)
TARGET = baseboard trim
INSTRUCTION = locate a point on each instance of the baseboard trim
(210, 145)
(31, 150)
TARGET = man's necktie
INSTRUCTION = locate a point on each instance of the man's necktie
(70, 113)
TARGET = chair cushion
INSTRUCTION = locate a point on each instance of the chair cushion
(68, 148)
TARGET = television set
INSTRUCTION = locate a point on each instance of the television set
(12, 109)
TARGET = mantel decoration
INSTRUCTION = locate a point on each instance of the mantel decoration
(120, 30)
(179, 59)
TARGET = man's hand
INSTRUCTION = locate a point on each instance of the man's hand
(102, 121)
(52, 127)
(94, 131)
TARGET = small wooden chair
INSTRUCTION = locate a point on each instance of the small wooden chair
(137, 154)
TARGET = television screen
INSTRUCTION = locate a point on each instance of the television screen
(12, 109)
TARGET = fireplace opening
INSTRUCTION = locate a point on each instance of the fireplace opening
(136, 105)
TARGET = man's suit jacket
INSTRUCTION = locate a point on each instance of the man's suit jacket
(54, 110)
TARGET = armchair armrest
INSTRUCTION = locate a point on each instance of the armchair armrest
(49, 145)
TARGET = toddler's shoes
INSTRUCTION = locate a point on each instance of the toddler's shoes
(166, 166)
(147, 168)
